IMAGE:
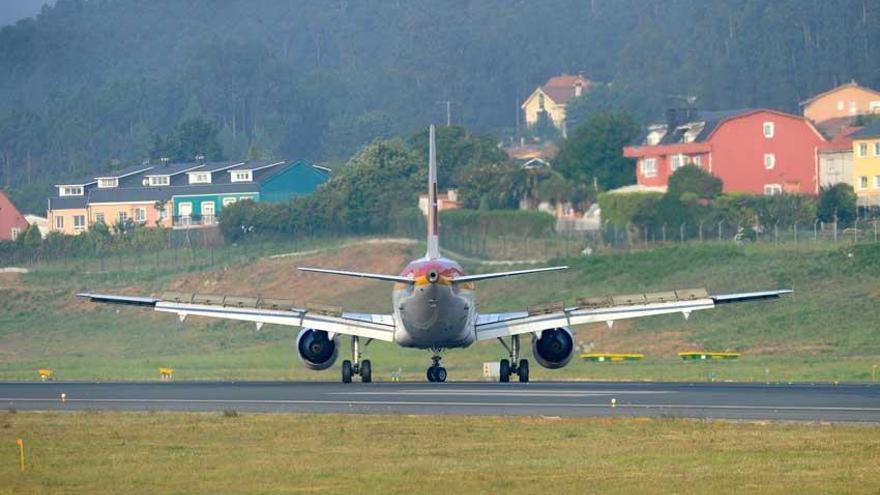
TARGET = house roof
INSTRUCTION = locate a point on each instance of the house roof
(68, 202)
(172, 168)
(870, 131)
(560, 89)
(124, 172)
(701, 127)
(841, 142)
(851, 84)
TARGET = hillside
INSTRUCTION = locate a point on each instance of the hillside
(804, 337)
(88, 84)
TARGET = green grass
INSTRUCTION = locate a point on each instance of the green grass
(827, 331)
(92, 452)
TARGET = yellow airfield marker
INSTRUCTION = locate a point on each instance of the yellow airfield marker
(63, 397)
(20, 444)
(613, 403)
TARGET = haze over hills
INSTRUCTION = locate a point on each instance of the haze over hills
(89, 83)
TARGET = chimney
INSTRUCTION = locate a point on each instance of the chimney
(578, 88)
(671, 119)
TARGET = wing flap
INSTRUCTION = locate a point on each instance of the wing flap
(373, 276)
(487, 276)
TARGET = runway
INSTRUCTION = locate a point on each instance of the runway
(803, 402)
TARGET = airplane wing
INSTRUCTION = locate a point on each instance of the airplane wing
(261, 311)
(608, 310)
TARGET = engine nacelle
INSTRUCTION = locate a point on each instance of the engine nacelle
(316, 349)
(555, 347)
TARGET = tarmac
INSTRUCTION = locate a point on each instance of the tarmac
(798, 402)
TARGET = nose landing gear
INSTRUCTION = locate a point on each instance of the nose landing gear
(436, 373)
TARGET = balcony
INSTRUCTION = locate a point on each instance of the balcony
(193, 221)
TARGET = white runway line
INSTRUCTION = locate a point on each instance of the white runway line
(456, 404)
(508, 393)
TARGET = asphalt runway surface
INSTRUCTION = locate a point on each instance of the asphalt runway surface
(802, 402)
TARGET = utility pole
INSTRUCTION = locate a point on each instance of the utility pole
(448, 111)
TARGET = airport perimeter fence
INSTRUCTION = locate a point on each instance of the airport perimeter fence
(611, 238)
(198, 249)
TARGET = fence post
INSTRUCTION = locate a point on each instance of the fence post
(701, 230)
(719, 229)
(681, 232)
(663, 229)
(835, 229)
(816, 231)
(794, 227)
(856, 230)
(776, 232)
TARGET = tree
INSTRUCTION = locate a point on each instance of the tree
(594, 151)
(694, 180)
(191, 138)
(837, 203)
(456, 149)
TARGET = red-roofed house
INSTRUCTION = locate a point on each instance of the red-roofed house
(757, 151)
(12, 222)
(835, 108)
(836, 159)
(552, 98)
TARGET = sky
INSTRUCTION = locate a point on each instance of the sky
(13, 10)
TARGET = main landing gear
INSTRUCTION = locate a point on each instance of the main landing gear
(508, 367)
(436, 373)
(363, 368)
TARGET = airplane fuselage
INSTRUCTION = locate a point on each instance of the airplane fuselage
(434, 312)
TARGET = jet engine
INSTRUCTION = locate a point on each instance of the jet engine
(555, 347)
(316, 349)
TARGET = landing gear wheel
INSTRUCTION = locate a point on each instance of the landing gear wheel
(440, 374)
(523, 371)
(430, 374)
(346, 371)
(366, 371)
(504, 371)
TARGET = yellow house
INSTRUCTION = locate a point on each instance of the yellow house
(552, 98)
(866, 164)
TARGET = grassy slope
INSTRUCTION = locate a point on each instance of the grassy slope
(827, 331)
(273, 453)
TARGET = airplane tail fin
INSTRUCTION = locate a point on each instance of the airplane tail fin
(433, 217)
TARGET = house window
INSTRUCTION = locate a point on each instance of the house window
(877, 149)
(677, 162)
(185, 209)
(840, 105)
(140, 214)
(207, 212)
(853, 108)
(874, 106)
(697, 160)
(863, 149)
(160, 180)
(79, 223)
(112, 182)
(241, 176)
(863, 182)
(200, 178)
(768, 129)
(15, 233)
(772, 189)
(649, 167)
(877, 182)
(123, 216)
(99, 218)
(59, 223)
(228, 201)
(541, 102)
(70, 191)
(163, 214)
(769, 161)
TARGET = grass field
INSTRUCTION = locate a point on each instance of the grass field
(273, 453)
(827, 331)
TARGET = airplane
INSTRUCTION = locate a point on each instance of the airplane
(433, 308)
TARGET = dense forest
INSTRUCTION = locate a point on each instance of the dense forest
(91, 84)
